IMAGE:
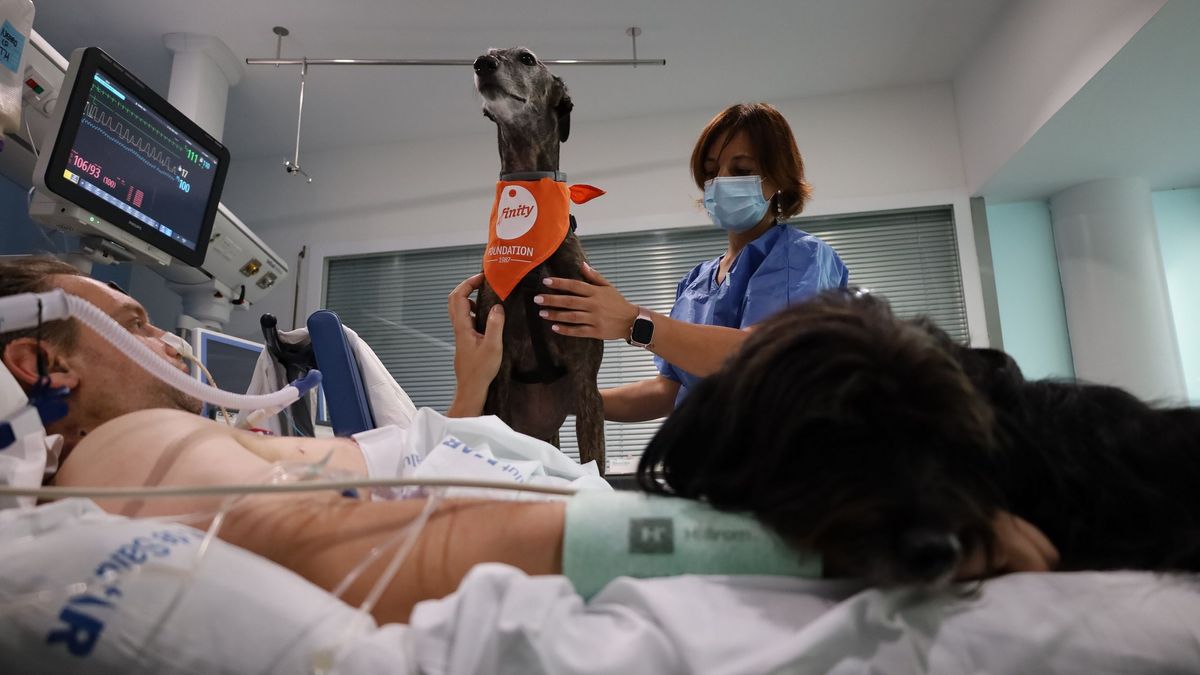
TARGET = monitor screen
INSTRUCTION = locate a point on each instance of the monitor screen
(230, 360)
(123, 153)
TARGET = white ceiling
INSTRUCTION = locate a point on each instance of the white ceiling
(717, 52)
(1136, 118)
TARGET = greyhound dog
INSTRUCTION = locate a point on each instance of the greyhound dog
(544, 376)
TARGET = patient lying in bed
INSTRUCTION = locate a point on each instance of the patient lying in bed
(322, 536)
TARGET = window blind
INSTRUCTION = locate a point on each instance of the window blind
(397, 301)
(910, 257)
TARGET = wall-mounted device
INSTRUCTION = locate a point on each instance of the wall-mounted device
(121, 163)
(223, 266)
(238, 271)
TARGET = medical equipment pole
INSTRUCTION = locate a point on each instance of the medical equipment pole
(293, 166)
(633, 32)
(446, 62)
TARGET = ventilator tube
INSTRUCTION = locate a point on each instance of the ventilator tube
(23, 311)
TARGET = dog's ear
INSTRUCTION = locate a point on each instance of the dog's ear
(563, 109)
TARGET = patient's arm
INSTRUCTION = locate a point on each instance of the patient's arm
(320, 536)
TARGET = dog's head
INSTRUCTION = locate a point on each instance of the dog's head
(520, 93)
(847, 431)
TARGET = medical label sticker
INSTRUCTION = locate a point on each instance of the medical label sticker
(12, 43)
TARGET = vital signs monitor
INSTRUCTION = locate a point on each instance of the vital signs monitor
(121, 162)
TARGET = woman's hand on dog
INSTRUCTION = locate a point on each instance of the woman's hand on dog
(592, 308)
(476, 356)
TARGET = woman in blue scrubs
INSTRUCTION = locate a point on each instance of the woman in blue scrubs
(747, 164)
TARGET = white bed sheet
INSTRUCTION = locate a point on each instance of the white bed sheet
(242, 614)
(1085, 623)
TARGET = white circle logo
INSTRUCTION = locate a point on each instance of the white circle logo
(516, 213)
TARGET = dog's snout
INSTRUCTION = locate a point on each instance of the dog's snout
(486, 64)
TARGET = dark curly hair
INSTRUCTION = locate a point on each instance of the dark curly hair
(846, 431)
(888, 448)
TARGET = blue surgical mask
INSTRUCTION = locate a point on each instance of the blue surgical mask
(735, 203)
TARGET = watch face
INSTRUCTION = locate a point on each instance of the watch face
(643, 331)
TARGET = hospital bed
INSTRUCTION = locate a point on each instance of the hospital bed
(358, 392)
(237, 613)
(327, 349)
(345, 392)
(84, 591)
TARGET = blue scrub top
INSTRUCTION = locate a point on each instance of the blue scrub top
(781, 268)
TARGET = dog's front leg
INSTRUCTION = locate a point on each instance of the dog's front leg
(500, 393)
(498, 396)
(589, 425)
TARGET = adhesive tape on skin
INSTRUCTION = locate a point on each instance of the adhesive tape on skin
(178, 344)
(613, 534)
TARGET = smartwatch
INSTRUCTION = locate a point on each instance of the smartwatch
(641, 333)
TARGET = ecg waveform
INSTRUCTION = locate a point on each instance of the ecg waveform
(126, 133)
(117, 105)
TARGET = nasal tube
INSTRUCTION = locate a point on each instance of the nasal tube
(22, 311)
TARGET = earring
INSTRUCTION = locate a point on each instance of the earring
(779, 206)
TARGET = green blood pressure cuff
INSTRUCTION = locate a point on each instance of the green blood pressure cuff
(614, 534)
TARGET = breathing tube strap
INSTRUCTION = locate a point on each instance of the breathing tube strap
(547, 370)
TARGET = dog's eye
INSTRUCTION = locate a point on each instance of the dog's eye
(528, 59)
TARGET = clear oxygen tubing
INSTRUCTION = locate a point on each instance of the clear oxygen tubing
(55, 492)
(404, 540)
(217, 518)
(275, 473)
(19, 312)
(309, 477)
(323, 658)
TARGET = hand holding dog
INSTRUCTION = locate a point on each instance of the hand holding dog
(593, 308)
(476, 356)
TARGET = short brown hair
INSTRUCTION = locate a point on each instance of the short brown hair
(32, 274)
(773, 143)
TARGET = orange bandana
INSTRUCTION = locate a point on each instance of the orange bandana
(530, 219)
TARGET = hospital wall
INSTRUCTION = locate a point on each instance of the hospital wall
(1177, 213)
(1029, 293)
(1033, 321)
(18, 234)
(1035, 57)
(871, 150)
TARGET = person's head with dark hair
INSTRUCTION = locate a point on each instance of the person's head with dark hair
(847, 431)
(104, 384)
(765, 147)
